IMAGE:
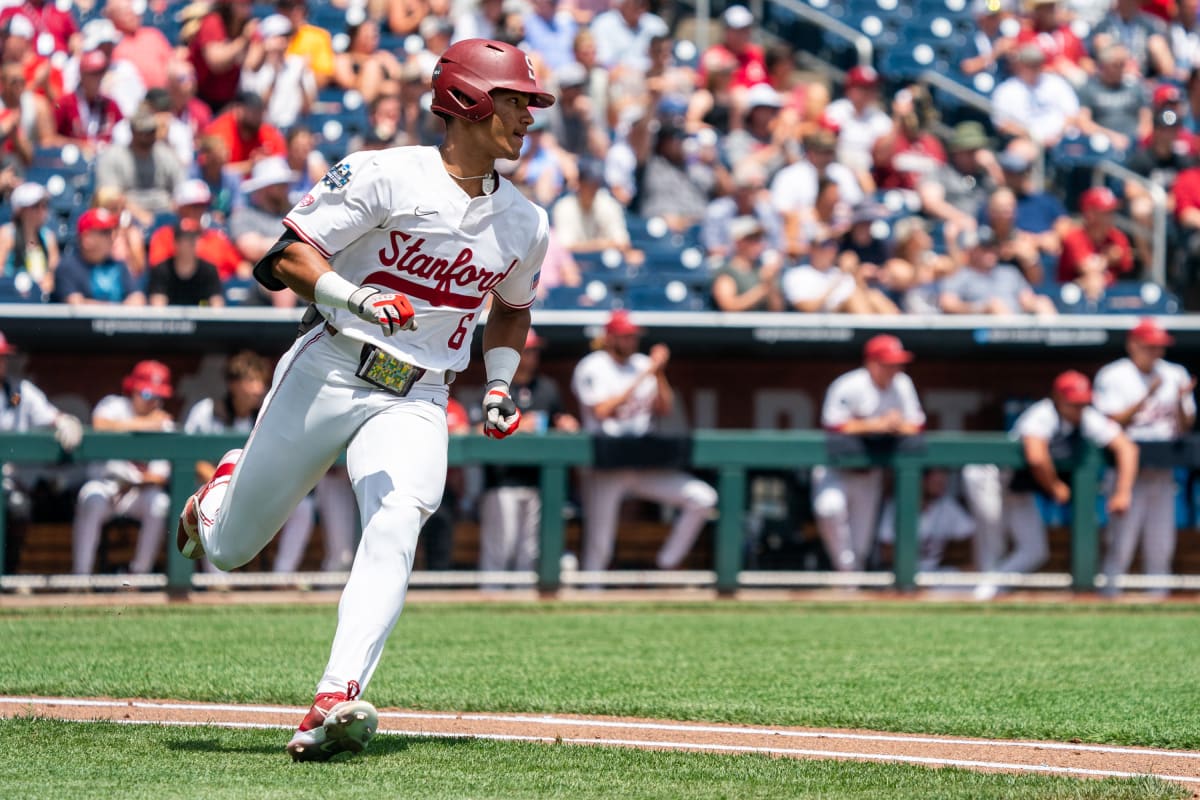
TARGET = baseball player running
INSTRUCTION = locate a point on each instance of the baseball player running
(877, 398)
(399, 249)
(1152, 399)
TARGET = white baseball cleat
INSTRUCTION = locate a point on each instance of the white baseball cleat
(334, 725)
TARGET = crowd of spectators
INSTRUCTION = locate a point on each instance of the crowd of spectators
(202, 123)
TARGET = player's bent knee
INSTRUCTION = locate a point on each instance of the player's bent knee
(830, 504)
(699, 494)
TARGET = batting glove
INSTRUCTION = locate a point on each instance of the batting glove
(501, 416)
(390, 310)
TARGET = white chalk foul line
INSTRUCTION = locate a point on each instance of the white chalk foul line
(648, 726)
(669, 745)
(695, 746)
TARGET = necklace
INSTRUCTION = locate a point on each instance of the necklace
(489, 180)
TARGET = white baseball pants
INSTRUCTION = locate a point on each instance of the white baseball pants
(604, 489)
(334, 500)
(396, 457)
(846, 505)
(102, 500)
(1001, 513)
(1150, 520)
(509, 521)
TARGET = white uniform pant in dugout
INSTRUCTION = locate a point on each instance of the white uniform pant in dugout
(102, 500)
(846, 504)
(1002, 513)
(396, 456)
(604, 489)
(1150, 520)
(509, 522)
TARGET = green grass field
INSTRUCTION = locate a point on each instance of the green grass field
(1104, 674)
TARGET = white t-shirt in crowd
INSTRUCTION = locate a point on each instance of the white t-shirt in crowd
(794, 188)
(806, 282)
(857, 132)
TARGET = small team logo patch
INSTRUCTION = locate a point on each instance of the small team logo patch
(337, 177)
(307, 201)
(537, 278)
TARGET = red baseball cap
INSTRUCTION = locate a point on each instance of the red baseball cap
(1073, 386)
(96, 219)
(1099, 198)
(886, 349)
(6, 349)
(532, 340)
(1148, 332)
(862, 76)
(149, 376)
(456, 416)
(619, 324)
(1167, 94)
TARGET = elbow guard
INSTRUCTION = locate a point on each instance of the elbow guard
(264, 270)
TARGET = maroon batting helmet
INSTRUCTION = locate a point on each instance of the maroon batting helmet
(470, 70)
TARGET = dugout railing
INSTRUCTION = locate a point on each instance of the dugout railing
(731, 455)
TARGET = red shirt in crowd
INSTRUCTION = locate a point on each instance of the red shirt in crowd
(267, 141)
(1187, 191)
(75, 118)
(1078, 246)
(46, 18)
(751, 66)
(910, 160)
(212, 246)
(1058, 43)
(215, 88)
(37, 67)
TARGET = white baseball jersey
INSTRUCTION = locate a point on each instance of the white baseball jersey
(396, 220)
(120, 408)
(28, 409)
(203, 418)
(1041, 421)
(1121, 384)
(599, 376)
(855, 396)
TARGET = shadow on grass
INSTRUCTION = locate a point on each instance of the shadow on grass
(219, 746)
(380, 746)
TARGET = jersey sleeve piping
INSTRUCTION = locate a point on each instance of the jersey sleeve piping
(295, 227)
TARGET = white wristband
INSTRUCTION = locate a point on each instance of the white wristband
(500, 364)
(332, 289)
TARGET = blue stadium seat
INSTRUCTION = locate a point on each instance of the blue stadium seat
(241, 291)
(666, 296)
(1139, 297)
(590, 294)
(20, 289)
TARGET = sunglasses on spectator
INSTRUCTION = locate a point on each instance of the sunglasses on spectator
(146, 394)
(828, 243)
